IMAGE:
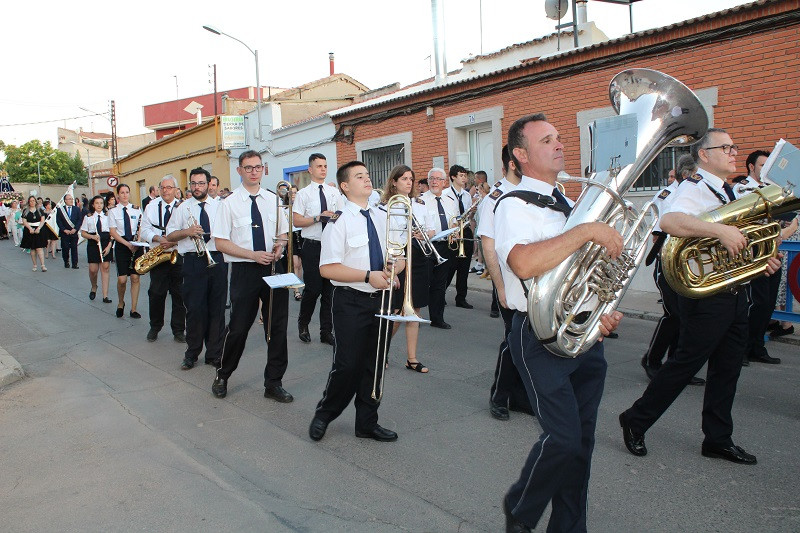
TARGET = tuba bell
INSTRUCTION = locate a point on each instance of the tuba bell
(566, 303)
(698, 267)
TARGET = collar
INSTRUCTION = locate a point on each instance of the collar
(536, 185)
(354, 207)
(245, 196)
(711, 179)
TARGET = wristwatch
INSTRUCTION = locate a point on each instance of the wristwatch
(366, 278)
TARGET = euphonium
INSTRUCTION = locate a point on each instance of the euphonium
(566, 303)
(697, 267)
(153, 258)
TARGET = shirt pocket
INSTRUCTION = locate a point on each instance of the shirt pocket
(242, 230)
(358, 245)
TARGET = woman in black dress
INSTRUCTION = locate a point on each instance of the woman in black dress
(32, 237)
(401, 181)
(95, 230)
(49, 235)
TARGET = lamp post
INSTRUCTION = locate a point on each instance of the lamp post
(88, 167)
(215, 31)
(39, 170)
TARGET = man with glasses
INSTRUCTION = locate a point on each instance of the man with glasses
(712, 329)
(440, 208)
(314, 204)
(205, 289)
(166, 277)
(251, 232)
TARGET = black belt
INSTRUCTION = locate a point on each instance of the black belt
(357, 292)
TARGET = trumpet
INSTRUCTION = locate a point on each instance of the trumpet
(200, 243)
(425, 243)
(461, 221)
(283, 200)
(396, 248)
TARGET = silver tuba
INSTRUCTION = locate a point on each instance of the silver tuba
(566, 303)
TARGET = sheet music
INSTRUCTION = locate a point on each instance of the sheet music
(140, 244)
(400, 318)
(442, 235)
(284, 281)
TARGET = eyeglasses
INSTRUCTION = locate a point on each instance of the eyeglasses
(250, 168)
(197, 183)
(167, 187)
(434, 178)
(726, 148)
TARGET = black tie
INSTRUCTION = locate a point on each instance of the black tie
(99, 226)
(259, 244)
(560, 197)
(442, 216)
(728, 191)
(127, 225)
(204, 222)
(460, 205)
(167, 214)
(375, 254)
(323, 205)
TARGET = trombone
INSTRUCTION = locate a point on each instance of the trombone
(283, 200)
(397, 247)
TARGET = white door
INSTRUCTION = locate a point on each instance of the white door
(485, 151)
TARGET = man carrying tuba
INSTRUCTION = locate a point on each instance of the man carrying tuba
(565, 392)
(712, 329)
(205, 289)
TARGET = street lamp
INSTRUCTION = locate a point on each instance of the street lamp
(39, 169)
(88, 166)
(215, 31)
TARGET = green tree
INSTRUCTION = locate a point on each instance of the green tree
(56, 167)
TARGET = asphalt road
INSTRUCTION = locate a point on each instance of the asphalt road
(106, 433)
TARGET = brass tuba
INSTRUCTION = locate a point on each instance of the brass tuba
(566, 303)
(697, 267)
(153, 258)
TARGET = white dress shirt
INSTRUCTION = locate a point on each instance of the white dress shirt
(747, 186)
(517, 222)
(450, 209)
(466, 199)
(486, 209)
(345, 241)
(307, 204)
(180, 220)
(89, 224)
(697, 196)
(117, 219)
(153, 220)
(234, 223)
(660, 199)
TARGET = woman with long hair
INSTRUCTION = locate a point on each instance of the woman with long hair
(32, 237)
(401, 181)
(95, 230)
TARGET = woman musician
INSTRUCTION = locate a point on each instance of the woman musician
(95, 230)
(401, 181)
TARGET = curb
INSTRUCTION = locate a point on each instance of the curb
(10, 370)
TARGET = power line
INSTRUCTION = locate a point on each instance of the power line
(47, 121)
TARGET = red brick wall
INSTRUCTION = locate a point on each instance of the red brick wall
(756, 76)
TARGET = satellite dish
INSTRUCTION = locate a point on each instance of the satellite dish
(555, 9)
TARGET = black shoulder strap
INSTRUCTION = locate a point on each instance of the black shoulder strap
(539, 200)
(721, 197)
(651, 256)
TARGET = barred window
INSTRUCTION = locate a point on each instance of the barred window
(380, 161)
(655, 176)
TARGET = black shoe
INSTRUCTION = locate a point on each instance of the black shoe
(378, 433)
(494, 314)
(766, 358)
(780, 332)
(75, 267)
(730, 453)
(120, 311)
(92, 295)
(106, 300)
(697, 381)
(179, 337)
(441, 325)
(213, 362)
(279, 394)
(465, 305)
(305, 336)
(187, 364)
(648, 369)
(327, 338)
(612, 335)
(633, 441)
(512, 524)
(498, 411)
(66, 265)
(220, 387)
(317, 429)
(134, 314)
(774, 325)
(152, 335)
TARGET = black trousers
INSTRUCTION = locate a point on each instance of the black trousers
(353, 372)
(712, 329)
(247, 289)
(460, 266)
(440, 277)
(763, 293)
(205, 291)
(3, 229)
(566, 393)
(316, 286)
(69, 248)
(508, 389)
(167, 278)
(665, 336)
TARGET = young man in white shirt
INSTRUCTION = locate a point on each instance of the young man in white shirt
(459, 266)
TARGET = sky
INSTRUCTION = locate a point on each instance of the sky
(77, 57)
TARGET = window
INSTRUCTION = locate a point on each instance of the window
(655, 176)
(300, 178)
(380, 161)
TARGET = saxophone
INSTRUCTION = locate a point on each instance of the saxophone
(153, 258)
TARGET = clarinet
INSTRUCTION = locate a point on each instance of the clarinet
(135, 238)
